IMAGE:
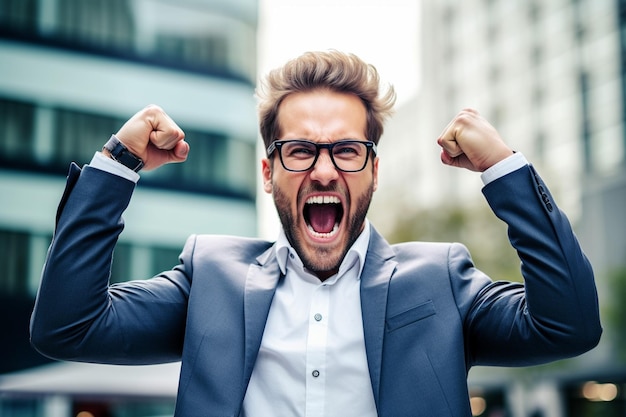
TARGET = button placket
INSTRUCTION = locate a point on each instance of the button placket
(316, 352)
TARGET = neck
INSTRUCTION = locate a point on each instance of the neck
(324, 275)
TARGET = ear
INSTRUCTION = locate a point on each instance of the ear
(266, 173)
(375, 174)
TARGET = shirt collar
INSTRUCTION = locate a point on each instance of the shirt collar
(355, 258)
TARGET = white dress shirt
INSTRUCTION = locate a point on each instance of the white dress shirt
(312, 360)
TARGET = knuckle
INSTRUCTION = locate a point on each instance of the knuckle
(152, 111)
(464, 118)
(153, 108)
(469, 110)
(467, 116)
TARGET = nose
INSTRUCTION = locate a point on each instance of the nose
(324, 171)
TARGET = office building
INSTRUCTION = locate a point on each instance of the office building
(71, 72)
(550, 76)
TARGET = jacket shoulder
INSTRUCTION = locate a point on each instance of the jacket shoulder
(229, 247)
(434, 251)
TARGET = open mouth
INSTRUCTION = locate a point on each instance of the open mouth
(322, 215)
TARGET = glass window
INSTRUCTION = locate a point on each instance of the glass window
(164, 259)
(209, 51)
(18, 14)
(242, 167)
(208, 41)
(217, 163)
(121, 266)
(209, 167)
(16, 130)
(113, 24)
(20, 407)
(103, 23)
(78, 135)
(14, 267)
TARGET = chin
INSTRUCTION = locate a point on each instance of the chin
(324, 259)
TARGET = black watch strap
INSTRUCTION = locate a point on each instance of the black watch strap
(121, 154)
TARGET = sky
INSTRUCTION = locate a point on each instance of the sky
(381, 32)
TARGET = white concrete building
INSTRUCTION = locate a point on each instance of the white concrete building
(550, 77)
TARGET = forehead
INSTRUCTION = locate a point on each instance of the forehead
(322, 115)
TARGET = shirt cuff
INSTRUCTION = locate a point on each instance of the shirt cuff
(104, 163)
(506, 166)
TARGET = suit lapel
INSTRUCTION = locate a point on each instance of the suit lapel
(259, 291)
(377, 271)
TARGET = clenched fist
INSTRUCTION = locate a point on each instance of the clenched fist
(154, 137)
(469, 141)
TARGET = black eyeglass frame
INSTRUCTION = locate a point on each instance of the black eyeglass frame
(277, 144)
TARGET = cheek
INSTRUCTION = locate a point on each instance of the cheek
(363, 187)
(361, 194)
(287, 185)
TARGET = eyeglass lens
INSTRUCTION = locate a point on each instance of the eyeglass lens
(301, 155)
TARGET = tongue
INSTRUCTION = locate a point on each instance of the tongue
(322, 217)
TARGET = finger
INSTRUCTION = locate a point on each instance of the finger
(166, 136)
(179, 152)
(163, 133)
(461, 161)
(449, 143)
(446, 158)
(157, 157)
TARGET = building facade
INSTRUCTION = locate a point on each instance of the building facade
(550, 77)
(71, 72)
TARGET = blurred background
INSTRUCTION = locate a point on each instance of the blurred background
(551, 76)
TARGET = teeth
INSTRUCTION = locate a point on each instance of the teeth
(326, 199)
(324, 235)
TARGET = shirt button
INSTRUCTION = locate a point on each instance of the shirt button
(315, 373)
(318, 317)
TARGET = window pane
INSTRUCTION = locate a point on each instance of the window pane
(16, 129)
(14, 267)
(78, 135)
(18, 14)
(164, 259)
(121, 266)
(103, 23)
(212, 166)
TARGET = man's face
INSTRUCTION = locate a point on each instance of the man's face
(322, 210)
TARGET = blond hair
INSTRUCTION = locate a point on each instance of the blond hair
(331, 70)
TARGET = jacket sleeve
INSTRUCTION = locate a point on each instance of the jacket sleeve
(78, 315)
(555, 313)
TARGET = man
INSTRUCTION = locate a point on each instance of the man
(329, 320)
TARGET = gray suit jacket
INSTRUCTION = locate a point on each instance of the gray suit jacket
(428, 313)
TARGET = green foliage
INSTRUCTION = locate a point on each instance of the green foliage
(477, 228)
(615, 311)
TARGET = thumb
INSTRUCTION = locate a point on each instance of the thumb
(180, 151)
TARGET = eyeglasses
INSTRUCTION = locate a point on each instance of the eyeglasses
(301, 155)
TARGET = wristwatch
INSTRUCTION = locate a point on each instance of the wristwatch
(121, 154)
